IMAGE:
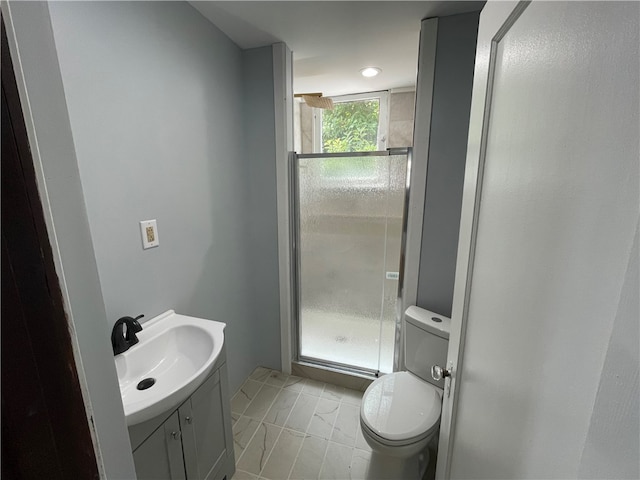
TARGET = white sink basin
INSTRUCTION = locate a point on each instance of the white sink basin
(175, 350)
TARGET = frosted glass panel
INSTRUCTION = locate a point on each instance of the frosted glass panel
(396, 192)
(350, 222)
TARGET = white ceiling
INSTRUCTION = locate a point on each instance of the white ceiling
(332, 40)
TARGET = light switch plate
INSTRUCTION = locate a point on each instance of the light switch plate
(149, 231)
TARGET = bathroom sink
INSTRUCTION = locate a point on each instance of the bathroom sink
(177, 352)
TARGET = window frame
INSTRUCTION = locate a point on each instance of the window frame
(383, 117)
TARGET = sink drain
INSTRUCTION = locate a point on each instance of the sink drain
(146, 383)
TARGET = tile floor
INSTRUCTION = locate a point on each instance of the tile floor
(287, 427)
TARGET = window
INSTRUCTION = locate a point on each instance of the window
(358, 123)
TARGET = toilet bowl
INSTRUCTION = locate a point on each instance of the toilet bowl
(399, 415)
(400, 412)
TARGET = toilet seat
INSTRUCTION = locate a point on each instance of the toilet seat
(393, 443)
(400, 409)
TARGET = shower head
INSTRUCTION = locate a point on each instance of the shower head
(316, 100)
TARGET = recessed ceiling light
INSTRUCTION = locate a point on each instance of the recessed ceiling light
(370, 71)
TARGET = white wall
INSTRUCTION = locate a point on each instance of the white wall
(158, 104)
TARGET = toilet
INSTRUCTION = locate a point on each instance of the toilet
(400, 412)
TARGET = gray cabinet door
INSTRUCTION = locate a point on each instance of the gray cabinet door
(159, 457)
(203, 431)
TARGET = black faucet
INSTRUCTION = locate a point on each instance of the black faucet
(120, 341)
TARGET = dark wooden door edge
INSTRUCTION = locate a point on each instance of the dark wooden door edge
(45, 432)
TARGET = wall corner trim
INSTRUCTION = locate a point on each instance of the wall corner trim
(283, 98)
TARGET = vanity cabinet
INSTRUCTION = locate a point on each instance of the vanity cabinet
(160, 455)
(191, 442)
(203, 441)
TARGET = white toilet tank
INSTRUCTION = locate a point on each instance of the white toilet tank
(426, 339)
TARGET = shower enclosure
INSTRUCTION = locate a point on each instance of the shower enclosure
(348, 225)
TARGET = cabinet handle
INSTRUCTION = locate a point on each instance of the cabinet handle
(189, 420)
(175, 435)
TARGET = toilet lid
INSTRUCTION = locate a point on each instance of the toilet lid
(400, 406)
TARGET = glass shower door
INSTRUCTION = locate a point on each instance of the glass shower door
(349, 236)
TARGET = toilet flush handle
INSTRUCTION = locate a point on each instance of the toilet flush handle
(438, 373)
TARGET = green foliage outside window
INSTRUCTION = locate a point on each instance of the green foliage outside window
(351, 127)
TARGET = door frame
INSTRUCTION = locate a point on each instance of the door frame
(495, 20)
(30, 40)
(44, 418)
(283, 109)
(283, 87)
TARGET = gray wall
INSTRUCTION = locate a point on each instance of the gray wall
(455, 56)
(156, 97)
(262, 216)
(60, 190)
